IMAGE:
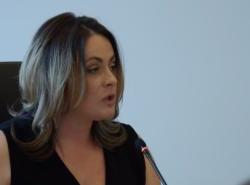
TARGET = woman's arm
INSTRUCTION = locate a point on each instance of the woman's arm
(4, 161)
(151, 176)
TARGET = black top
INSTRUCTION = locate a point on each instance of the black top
(124, 165)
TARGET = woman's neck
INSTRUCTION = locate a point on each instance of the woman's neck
(73, 130)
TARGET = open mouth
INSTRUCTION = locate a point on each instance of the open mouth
(110, 99)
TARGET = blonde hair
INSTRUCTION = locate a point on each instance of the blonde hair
(51, 81)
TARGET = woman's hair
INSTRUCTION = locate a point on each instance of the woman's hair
(52, 81)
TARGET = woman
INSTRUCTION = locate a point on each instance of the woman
(71, 82)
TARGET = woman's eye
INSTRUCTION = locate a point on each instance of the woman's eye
(113, 65)
(92, 70)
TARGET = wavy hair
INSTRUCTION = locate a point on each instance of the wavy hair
(51, 81)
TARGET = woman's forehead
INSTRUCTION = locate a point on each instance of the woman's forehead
(98, 46)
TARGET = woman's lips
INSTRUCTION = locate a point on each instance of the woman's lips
(110, 99)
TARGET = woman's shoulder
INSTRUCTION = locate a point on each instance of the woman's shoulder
(129, 150)
(130, 130)
(4, 160)
(132, 136)
(5, 126)
(21, 124)
(18, 121)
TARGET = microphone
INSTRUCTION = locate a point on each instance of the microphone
(142, 147)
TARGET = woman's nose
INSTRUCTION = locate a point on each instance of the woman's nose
(110, 78)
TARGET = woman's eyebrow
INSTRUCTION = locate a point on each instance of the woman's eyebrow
(98, 59)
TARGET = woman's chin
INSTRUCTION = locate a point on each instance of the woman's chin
(107, 115)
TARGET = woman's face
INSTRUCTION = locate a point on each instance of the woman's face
(100, 96)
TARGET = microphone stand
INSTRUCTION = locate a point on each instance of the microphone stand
(141, 145)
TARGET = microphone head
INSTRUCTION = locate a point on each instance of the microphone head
(140, 144)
